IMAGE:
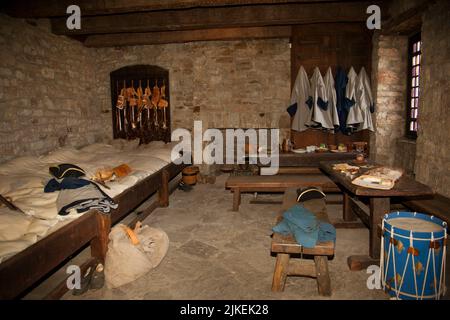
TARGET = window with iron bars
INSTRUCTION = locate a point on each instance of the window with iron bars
(414, 65)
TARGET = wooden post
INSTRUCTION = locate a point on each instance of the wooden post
(323, 276)
(99, 244)
(236, 199)
(164, 190)
(348, 214)
(378, 208)
(281, 272)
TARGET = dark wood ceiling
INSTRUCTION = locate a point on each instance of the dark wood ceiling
(132, 22)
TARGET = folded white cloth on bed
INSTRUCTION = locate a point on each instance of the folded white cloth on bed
(75, 201)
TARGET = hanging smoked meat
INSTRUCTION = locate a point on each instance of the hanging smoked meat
(146, 102)
(154, 100)
(163, 104)
(120, 105)
(132, 101)
(140, 104)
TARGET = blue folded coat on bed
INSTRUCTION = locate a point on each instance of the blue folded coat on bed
(304, 226)
(66, 183)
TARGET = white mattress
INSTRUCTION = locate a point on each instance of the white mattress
(23, 180)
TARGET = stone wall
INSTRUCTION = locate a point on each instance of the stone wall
(389, 64)
(433, 143)
(55, 92)
(46, 91)
(428, 158)
(226, 84)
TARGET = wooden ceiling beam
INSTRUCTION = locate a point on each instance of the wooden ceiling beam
(57, 8)
(151, 38)
(223, 17)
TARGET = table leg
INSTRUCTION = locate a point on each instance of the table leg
(348, 214)
(236, 199)
(378, 207)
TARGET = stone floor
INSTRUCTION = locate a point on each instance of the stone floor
(215, 253)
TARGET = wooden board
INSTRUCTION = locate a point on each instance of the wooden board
(404, 187)
(438, 206)
(261, 183)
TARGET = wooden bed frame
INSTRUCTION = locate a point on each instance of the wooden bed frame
(26, 268)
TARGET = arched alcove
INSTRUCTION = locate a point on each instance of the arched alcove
(140, 100)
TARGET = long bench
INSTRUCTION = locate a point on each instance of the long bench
(285, 246)
(438, 206)
(275, 183)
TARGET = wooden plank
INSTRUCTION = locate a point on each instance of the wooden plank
(348, 214)
(23, 269)
(313, 159)
(281, 272)
(298, 170)
(219, 17)
(52, 8)
(323, 276)
(287, 244)
(378, 208)
(340, 224)
(236, 199)
(163, 37)
(163, 192)
(438, 206)
(360, 211)
(99, 244)
(278, 181)
(302, 268)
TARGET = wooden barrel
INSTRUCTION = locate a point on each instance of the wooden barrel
(190, 175)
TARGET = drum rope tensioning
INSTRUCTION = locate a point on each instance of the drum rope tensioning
(403, 274)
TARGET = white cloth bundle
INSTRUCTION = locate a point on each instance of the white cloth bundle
(125, 261)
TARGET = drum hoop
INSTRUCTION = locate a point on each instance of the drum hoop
(418, 239)
(437, 235)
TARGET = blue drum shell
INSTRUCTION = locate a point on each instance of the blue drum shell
(427, 288)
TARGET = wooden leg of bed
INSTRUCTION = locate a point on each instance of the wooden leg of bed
(164, 190)
(99, 245)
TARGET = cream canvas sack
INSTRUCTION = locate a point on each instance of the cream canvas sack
(133, 253)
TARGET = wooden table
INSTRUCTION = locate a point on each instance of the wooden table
(379, 204)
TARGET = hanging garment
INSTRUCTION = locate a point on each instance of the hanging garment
(299, 97)
(342, 104)
(355, 116)
(364, 100)
(330, 116)
(319, 101)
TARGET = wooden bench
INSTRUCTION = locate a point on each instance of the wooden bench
(285, 246)
(275, 183)
(438, 206)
